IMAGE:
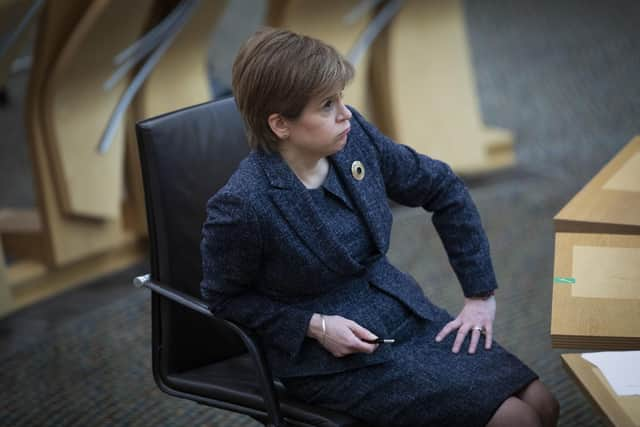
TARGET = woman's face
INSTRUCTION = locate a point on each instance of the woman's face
(321, 129)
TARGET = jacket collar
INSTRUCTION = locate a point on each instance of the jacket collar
(278, 173)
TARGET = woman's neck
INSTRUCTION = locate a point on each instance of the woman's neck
(311, 171)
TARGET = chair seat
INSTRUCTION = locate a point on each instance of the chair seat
(233, 382)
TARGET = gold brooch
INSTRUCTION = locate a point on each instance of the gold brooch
(357, 170)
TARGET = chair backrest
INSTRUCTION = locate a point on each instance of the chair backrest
(186, 156)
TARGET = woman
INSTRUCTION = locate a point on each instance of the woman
(294, 247)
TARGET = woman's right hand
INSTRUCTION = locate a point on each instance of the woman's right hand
(341, 336)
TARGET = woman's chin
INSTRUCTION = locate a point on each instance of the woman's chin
(342, 141)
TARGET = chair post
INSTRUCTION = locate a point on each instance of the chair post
(269, 395)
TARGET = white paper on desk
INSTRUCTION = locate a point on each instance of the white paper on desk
(620, 368)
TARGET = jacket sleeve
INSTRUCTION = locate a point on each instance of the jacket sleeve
(413, 179)
(231, 250)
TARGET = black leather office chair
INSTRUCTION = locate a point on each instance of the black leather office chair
(187, 156)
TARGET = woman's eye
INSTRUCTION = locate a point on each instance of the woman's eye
(328, 104)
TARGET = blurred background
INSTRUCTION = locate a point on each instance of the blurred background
(527, 100)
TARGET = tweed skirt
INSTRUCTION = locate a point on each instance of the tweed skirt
(425, 384)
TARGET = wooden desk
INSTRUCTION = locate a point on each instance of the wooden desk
(619, 411)
(596, 297)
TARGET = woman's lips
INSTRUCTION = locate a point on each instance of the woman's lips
(345, 132)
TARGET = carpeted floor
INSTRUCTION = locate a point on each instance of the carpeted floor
(561, 74)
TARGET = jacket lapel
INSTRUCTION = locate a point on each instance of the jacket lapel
(297, 206)
(365, 193)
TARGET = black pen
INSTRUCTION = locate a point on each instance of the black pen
(380, 341)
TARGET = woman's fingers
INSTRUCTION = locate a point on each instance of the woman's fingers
(463, 331)
(364, 347)
(475, 337)
(448, 328)
(361, 333)
(344, 337)
(488, 336)
(460, 336)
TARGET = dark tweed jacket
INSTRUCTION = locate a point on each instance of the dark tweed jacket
(270, 262)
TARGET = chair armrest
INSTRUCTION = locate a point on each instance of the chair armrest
(264, 373)
(174, 295)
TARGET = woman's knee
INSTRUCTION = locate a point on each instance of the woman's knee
(514, 411)
(540, 398)
(550, 410)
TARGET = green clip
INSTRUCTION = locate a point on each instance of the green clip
(568, 280)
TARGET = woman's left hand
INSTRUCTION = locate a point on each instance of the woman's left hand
(475, 314)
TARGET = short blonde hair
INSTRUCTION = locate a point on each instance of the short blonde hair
(279, 71)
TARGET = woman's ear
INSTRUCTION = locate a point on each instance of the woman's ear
(279, 126)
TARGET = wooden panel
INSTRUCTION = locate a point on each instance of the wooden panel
(22, 234)
(65, 239)
(592, 322)
(604, 399)
(606, 272)
(77, 108)
(134, 211)
(24, 271)
(30, 282)
(425, 91)
(11, 13)
(596, 208)
(16, 220)
(55, 18)
(6, 300)
(24, 245)
(594, 342)
(325, 21)
(180, 79)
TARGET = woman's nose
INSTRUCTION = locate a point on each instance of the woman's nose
(344, 112)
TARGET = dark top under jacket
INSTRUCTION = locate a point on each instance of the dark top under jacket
(271, 260)
(335, 207)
